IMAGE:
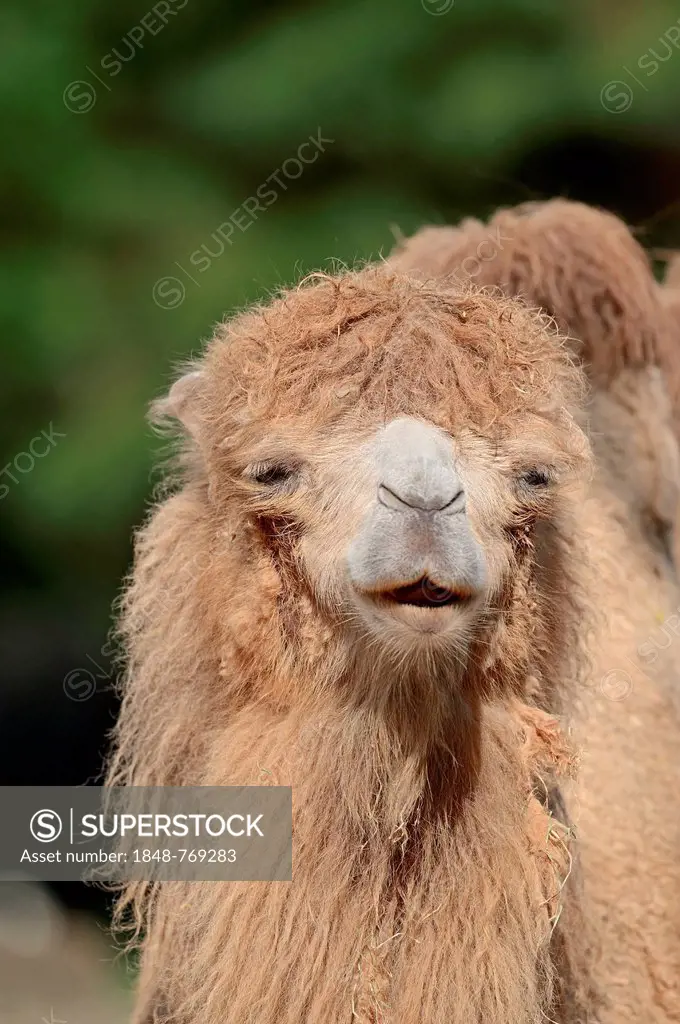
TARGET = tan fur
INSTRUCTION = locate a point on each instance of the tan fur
(584, 268)
(580, 264)
(625, 804)
(433, 875)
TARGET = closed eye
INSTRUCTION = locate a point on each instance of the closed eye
(535, 477)
(273, 474)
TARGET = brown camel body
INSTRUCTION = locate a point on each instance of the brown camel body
(584, 268)
(360, 436)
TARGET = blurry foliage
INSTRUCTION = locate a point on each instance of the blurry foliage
(431, 117)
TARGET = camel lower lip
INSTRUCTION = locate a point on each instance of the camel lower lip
(423, 593)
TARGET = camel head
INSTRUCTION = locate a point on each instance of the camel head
(376, 454)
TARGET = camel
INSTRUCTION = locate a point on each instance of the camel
(584, 268)
(409, 582)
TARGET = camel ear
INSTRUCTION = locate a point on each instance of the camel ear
(181, 403)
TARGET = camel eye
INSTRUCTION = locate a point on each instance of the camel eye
(535, 477)
(273, 474)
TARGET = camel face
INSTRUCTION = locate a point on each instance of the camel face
(415, 565)
(375, 455)
(404, 535)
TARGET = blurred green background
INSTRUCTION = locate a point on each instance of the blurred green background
(130, 133)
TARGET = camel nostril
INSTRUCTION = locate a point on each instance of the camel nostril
(457, 503)
(410, 499)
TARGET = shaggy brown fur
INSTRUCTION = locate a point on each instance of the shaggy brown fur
(431, 881)
(580, 264)
(584, 268)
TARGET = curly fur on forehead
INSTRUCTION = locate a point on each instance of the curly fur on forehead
(380, 344)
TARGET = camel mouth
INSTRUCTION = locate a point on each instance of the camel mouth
(425, 593)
